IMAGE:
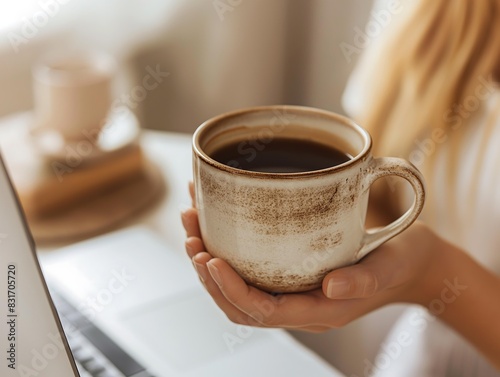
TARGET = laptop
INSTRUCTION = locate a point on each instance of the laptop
(119, 305)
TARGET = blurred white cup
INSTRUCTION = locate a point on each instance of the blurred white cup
(72, 93)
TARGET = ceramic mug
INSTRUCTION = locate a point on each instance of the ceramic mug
(73, 93)
(283, 232)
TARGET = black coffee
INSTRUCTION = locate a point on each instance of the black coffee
(279, 155)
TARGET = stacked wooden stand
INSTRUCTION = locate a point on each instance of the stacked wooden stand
(81, 190)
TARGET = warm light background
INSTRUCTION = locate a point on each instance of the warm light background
(261, 52)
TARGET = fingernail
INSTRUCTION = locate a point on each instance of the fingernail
(189, 249)
(337, 288)
(200, 270)
(215, 273)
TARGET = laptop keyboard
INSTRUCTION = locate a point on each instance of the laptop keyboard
(96, 355)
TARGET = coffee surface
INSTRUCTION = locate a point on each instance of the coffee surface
(279, 155)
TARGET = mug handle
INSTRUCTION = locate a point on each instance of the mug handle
(381, 167)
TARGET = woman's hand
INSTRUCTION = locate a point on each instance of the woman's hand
(399, 271)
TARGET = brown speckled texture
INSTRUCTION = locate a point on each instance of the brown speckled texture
(279, 211)
(268, 209)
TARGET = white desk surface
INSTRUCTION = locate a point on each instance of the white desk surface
(172, 153)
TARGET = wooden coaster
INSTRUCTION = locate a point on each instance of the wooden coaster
(101, 213)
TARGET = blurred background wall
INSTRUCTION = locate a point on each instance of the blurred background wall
(219, 55)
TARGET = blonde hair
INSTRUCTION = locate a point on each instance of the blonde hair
(430, 61)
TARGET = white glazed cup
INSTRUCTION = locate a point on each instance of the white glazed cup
(73, 93)
(283, 232)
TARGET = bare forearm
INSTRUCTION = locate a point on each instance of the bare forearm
(466, 296)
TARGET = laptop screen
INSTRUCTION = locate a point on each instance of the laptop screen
(32, 342)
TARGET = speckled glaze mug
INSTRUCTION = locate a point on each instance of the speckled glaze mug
(283, 232)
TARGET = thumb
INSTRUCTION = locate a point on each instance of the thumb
(357, 281)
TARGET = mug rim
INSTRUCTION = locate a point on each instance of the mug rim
(212, 122)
